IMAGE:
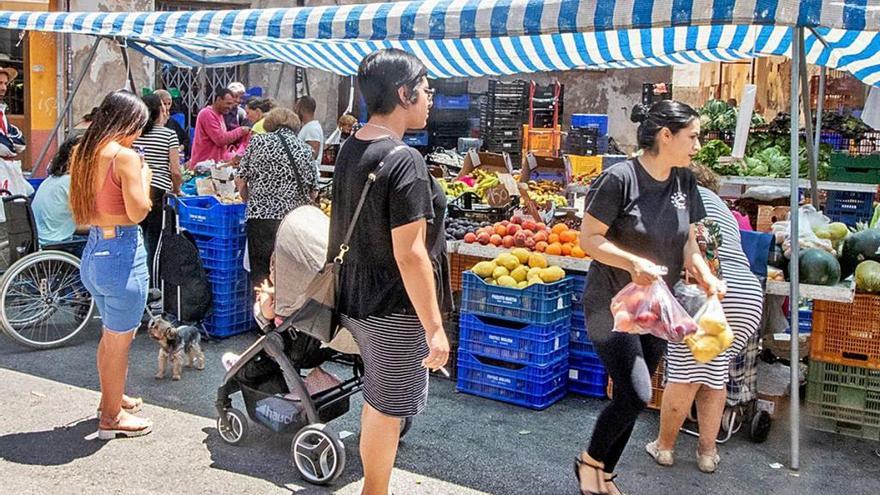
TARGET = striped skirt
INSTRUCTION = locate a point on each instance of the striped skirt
(392, 348)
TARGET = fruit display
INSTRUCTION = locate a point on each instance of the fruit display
(858, 247)
(457, 228)
(325, 205)
(818, 267)
(518, 269)
(582, 179)
(454, 189)
(542, 198)
(713, 336)
(526, 233)
(483, 181)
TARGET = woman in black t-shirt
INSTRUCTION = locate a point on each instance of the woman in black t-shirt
(639, 217)
(395, 277)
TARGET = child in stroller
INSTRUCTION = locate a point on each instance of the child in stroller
(269, 373)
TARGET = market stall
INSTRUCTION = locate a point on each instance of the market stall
(494, 38)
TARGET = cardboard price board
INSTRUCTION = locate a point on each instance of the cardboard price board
(502, 194)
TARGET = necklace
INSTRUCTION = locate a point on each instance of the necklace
(381, 127)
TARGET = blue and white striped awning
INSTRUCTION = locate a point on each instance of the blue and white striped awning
(457, 38)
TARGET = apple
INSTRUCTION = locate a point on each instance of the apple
(470, 238)
(483, 238)
(517, 220)
(507, 241)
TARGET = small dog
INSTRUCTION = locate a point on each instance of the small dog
(174, 342)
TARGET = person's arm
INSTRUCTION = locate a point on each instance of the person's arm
(245, 164)
(696, 265)
(595, 244)
(316, 147)
(134, 174)
(174, 167)
(411, 255)
(214, 131)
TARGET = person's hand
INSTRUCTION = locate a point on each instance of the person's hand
(714, 287)
(644, 272)
(247, 130)
(438, 347)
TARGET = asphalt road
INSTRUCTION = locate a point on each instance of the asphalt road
(461, 445)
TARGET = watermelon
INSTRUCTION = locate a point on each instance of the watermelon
(859, 247)
(818, 267)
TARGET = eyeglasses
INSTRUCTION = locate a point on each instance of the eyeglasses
(429, 94)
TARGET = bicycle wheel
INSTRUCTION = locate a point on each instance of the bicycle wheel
(43, 303)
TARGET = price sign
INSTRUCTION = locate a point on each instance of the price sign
(498, 196)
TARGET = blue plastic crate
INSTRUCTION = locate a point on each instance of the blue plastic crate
(849, 219)
(850, 205)
(417, 138)
(584, 120)
(534, 345)
(233, 286)
(449, 102)
(540, 303)
(232, 298)
(582, 355)
(835, 140)
(535, 388)
(206, 215)
(588, 380)
(230, 327)
(35, 183)
(228, 276)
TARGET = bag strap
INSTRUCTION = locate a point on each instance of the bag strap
(371, 178)
(290, 158)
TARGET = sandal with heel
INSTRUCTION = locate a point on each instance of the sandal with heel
(600, 482)
(609, 480)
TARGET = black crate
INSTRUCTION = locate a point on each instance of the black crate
(514, 88)
(449, 87)
(448, 116)
(868, 144)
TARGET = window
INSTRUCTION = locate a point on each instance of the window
(12, 55)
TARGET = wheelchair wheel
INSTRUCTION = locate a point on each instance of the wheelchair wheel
(43, 303)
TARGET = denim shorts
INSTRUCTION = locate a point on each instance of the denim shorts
(115, 273)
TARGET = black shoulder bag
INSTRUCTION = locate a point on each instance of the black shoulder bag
(317, 317)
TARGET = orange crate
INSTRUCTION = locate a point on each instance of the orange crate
(656, 386)
(459, 263)
(768, 215)
(847, 334)
(542, 141)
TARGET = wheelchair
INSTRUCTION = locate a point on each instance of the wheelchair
(43, 303)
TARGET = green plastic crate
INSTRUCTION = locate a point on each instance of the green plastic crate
(844, 399)
(860, 169)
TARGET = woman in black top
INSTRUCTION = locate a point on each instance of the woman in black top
(275, 176)
(395, 277)
(639, 217)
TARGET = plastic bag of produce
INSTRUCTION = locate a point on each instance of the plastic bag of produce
(714, 334)
(651, 309)
(809, 221)
(690, 296)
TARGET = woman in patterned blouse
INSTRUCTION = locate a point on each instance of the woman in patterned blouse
(275, 176)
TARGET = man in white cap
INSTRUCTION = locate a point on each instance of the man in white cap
(12, 141)
(237, 117)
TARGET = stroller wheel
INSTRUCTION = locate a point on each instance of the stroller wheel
(760, 428)
(318, 454)
(238, 427)
(405, 426)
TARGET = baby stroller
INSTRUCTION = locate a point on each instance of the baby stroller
(270, 378)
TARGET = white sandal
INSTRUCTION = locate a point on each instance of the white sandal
(708, 463)
(661, 457)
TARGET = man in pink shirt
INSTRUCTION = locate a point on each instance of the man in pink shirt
(212, 141)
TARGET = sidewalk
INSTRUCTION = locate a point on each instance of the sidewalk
(462, 445)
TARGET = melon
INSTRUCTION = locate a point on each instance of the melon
(818, 267)
(859, 247)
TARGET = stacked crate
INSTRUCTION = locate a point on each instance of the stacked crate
(588, 135)
(843, 385)
(513, 343)
(219, 232)
(542, 135)
(501, 118)
(586, 373)
(849, 207)
(859, 163)
(449, 114)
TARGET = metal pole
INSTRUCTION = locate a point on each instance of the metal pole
(812, 159)
(277, 92)
(820, 104)
(69, 103)
(127, 62)
(794, 292)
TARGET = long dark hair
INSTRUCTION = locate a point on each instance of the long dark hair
(121, 114)
(61, 163)
(671, 114)
(154, 106)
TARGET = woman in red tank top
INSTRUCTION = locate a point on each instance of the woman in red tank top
(109, 191)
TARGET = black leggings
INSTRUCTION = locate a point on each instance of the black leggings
(631, 361)
(152, 226)
(261, 244)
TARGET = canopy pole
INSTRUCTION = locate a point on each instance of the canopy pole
(794, 289)
(278, 82)
(820, 104)
(812, 158)
(68, 104)
(127, 62)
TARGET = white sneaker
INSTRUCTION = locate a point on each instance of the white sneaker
(661, 457)
(229, 359)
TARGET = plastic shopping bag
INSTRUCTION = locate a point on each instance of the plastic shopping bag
(691, 297)
(651, 309)
(714, 335)
(12, 180)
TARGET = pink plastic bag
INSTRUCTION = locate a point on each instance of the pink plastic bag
(651, 309)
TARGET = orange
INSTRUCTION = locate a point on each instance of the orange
(540, 246)
(540, 236)
(566, 249)
(559, 228)
(577, 252)
(554, 249)
(553, 239)
(500, 229)
(568, 236)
